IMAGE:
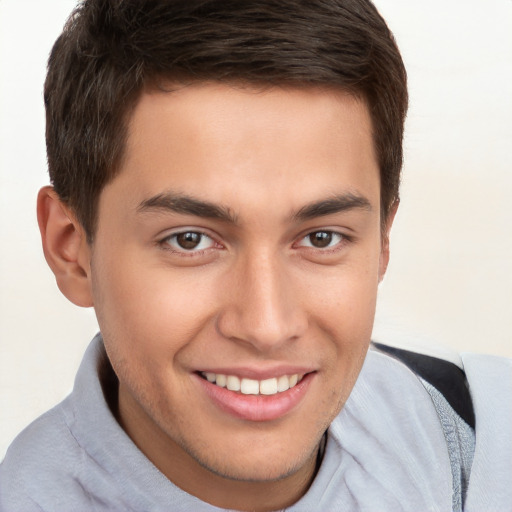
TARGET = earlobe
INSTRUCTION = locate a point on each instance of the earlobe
(384, 253)
(65, 247)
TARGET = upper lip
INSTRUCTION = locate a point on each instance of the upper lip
(259, 373)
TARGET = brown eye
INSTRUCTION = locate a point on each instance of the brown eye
(189, 241)
(320, 239)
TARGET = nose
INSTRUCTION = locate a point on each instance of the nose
(262, 306)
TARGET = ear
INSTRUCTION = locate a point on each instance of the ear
(384, 252)
(65, 247)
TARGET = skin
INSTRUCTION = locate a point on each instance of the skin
(256, 293)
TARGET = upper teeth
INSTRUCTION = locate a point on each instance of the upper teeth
(251, 386)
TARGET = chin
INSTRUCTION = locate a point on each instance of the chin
(265, 463)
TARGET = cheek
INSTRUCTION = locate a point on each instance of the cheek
(344, 312)
(347, 296)
(149, 306)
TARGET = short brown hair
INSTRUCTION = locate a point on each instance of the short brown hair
(111, 49)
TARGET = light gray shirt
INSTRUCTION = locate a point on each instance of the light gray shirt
(386, 450)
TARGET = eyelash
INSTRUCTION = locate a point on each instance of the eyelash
(169, 243)
(166, 243)
(340, 238)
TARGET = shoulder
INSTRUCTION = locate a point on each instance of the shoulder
(476, 389)
(490, 384)
(41, 463)
(446, 376)
(463, 380)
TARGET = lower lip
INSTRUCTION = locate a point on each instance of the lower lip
(256, 407)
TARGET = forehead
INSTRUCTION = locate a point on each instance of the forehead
(288, 146)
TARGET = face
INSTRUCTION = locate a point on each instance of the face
(239, 247)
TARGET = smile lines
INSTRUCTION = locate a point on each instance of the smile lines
(251, 386)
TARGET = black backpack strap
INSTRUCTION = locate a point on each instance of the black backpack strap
(445, 376)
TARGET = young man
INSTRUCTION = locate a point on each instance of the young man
(225, 176)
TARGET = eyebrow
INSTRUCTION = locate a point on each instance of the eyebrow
(179, 203)
(336, 204)
(184, 204)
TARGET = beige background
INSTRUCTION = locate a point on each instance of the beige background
(450, 280)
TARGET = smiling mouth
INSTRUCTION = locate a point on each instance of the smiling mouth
(272, 386)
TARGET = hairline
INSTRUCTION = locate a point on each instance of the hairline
(163, 83)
